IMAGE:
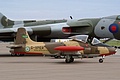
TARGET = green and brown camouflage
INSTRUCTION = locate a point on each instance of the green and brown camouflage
(105, 27)
(8, 28)
(24, 45)
(44, 30)
(7, 23)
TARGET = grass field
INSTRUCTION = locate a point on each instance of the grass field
(114, 43)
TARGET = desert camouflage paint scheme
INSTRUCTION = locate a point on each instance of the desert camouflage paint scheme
(105, 27)
(69, 49)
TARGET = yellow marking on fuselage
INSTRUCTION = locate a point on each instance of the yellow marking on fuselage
(38, 47)
(103, 50)
(72, 43)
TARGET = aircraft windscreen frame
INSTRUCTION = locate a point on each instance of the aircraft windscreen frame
(84, 39)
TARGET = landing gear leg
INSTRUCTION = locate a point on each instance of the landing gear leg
(69, 59)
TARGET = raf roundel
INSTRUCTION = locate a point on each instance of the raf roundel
(113, 28)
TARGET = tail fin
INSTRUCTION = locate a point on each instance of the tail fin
(5, 22)
(22, 37)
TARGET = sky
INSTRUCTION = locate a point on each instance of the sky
(58, 9)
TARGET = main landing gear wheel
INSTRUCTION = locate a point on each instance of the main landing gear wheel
(100, 60)
(13, 54)
(56, 56)
(69, 59)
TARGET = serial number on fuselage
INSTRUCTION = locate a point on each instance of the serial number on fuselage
(38, 48)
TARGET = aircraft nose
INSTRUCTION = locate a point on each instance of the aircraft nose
(112, 50)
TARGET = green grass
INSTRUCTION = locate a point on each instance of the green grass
(114, 43)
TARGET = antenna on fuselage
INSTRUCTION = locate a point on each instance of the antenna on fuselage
(71, 17)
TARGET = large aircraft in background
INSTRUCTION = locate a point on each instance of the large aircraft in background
(105, 27)
(36, 28)
(70, 49)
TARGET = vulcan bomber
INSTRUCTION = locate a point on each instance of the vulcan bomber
(105, 27)
(75, 48)
(44, 30)
(35, 28)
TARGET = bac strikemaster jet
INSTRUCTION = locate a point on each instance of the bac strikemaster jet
(70, 49)
(106, 27)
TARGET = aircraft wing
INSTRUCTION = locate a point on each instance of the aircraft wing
(6, 34)
(79, 23)
(78, 27)
(7, 30)
(14, 46)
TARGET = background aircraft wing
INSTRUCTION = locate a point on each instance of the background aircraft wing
(6, 33)
(78, 27)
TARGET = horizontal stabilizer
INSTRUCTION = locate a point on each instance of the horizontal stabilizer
(14, 46)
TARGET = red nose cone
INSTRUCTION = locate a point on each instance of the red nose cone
(69, 48)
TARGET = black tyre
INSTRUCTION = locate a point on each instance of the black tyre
(71, 59)
(56, 56)
(100, 60)
(12, 54)
(67, 60)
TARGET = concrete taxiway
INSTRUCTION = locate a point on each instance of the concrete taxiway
(47, 68)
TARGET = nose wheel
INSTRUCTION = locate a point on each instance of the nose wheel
(100, 60)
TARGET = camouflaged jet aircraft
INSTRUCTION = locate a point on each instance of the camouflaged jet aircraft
(106, 27)
(36, 28)
(70, 49)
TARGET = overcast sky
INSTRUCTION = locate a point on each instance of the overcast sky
(58, 9)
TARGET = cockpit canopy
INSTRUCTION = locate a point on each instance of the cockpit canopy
(84, 39)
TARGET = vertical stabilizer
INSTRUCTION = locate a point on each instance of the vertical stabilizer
(22, 37)
(5, 22)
